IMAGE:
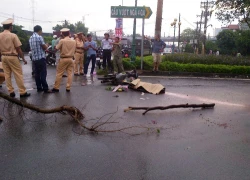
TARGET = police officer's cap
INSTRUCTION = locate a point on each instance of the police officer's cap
(65, 30)
(8, 21)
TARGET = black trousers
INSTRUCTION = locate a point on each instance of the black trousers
(107, 59)
(41, 75)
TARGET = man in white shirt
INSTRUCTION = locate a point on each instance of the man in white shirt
(107, 49)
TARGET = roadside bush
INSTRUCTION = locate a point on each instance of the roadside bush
(187, 58)
(187, 67)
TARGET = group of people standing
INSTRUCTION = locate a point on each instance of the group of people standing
(72, 53)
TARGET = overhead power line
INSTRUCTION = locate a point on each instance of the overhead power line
(26, 19)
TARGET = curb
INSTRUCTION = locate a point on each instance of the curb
(193, 74)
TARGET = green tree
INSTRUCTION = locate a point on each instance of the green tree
(48, 39)
(243, 42)
(77, 27)
(210, 45)
(230, 10)
(80, 27)
(189, 48)
(22, 36)
(187, 35)
(226, 41)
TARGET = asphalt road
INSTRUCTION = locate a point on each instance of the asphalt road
(192, 144)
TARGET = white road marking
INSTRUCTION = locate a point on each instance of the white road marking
(204, 99)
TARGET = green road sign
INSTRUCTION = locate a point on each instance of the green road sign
(130, 12)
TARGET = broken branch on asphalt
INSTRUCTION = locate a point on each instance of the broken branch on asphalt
(147, 109)
(72, 111)
(78, 116)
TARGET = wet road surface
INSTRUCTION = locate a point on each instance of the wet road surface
(192, 144)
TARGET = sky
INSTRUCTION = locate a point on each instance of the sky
(96, 14)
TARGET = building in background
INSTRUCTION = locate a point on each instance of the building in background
(232, 27)
(217, 31)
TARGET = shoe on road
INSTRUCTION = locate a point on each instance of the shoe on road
(55, 90)
(24, 95)
(12, 94)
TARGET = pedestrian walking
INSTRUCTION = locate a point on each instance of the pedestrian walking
(79, 55)
(10, 48)
(117, 53)
(67, 48)
(91, 48)
(38, 48)
(107, 49)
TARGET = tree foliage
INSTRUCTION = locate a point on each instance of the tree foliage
(77, 27)
(22, 36)
(243, 42)
(230, 10)
(226, 41)
(233, 42)
(210, 45)
(189, 48)
(48, 39)
(187, 35)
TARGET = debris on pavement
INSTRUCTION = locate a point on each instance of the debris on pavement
(147, 87)
(118, 88)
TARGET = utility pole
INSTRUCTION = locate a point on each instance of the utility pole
(158, 17)
(207, 5)
(179, 34)
(199, 29)
(134, 32)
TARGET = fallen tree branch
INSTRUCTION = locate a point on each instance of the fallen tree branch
(72, 111)
(169, 107)
(76, 114)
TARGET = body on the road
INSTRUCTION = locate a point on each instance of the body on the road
(10, 48)
(117, 52)
(79, 54)
(67, 49)
(38, 48)
(107, 49)
(90, 48)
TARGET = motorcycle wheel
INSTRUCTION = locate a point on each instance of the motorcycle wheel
(48, 61)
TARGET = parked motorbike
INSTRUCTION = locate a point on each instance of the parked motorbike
(125, 52)
(50, 56)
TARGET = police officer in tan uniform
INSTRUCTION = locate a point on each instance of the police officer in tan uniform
(67, 49)
(79, 54)
(10, 48)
